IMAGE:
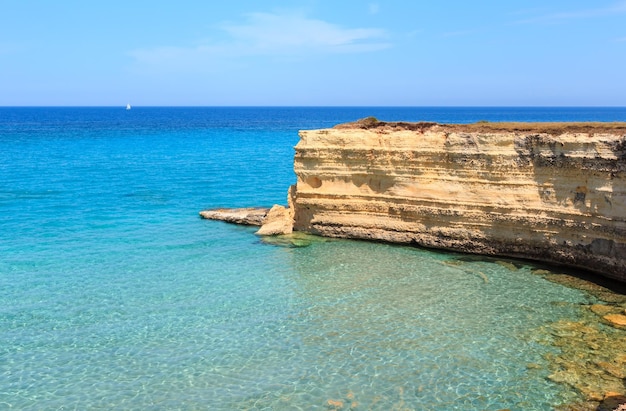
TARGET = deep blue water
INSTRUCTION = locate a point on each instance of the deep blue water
(115, 295)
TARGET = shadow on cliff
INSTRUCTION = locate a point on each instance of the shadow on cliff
(590, 185)
(604, 288)
(553, 168)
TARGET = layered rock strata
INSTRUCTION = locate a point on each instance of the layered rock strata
(546, 191)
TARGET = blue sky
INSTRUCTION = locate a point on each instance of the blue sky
(317, 52)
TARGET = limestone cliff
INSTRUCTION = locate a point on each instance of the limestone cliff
(546, 191)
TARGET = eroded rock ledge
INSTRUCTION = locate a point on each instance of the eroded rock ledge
(244, 216)
(553, 192)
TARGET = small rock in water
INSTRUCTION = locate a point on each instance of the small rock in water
(334, 404)
(507, 264)
(616, 320)
(612, 369)
(540, 271)
(293, 240)
(601, 309)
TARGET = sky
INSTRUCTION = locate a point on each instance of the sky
(313, 53)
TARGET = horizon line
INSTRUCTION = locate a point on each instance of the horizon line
(315, 106)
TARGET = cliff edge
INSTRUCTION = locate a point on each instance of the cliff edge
(554, 192)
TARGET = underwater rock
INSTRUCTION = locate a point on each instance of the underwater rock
(616, 320)
(334, 404)
(592, 287)
(601, 309)
(508, 265)
(592, 357)
(614, 370)
(293, 240)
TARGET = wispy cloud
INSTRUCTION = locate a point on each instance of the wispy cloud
(621, 39)
(280, 33)
(286, 34)
(614, 9)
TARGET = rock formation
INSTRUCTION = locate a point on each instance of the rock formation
(279, 220)
(554, 192)
(244, 216)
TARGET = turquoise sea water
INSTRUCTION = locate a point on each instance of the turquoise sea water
(114, 294)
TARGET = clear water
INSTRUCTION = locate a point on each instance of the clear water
(114, 294)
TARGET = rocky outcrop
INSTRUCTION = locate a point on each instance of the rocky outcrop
(278, 221)
(244, 216)
(546, 191)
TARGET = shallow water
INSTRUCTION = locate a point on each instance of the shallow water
(115, 295)
(182, 326)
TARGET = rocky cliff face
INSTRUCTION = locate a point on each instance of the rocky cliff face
(550, 192)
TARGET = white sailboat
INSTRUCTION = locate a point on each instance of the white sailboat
(128, 106)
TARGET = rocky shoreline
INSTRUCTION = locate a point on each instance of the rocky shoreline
(549, 192)
(592, 349)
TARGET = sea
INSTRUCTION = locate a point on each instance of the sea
(116, 295)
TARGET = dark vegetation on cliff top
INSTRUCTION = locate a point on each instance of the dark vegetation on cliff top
(484, 126)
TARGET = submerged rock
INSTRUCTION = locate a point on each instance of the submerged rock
(293, 240)
(592, 357)
(616, 320)
(508, 265)
(595, 288)
(601, 309)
